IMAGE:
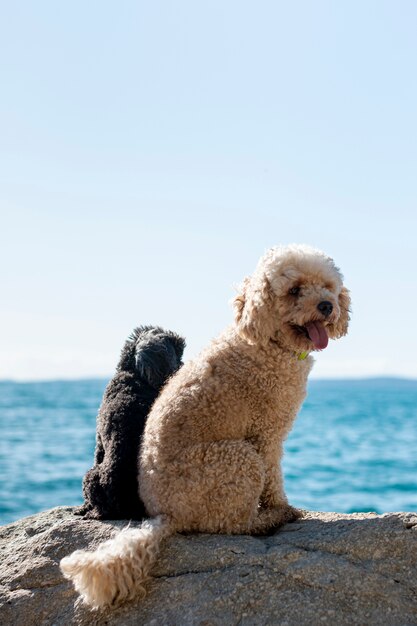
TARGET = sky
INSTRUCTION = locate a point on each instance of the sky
(151, 152)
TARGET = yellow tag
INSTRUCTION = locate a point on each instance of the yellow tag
(303, 356)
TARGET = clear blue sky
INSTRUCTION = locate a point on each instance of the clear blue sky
(151, 152)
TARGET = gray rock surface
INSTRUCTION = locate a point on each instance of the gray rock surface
(326, 569)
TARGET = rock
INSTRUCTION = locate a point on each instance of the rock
(327, 568)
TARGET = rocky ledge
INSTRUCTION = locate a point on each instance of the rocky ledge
(327, 568)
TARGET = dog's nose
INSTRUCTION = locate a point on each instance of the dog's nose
(325, 307)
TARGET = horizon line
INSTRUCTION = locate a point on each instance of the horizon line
(368, 377)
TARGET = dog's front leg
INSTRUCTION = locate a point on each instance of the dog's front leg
(273, 495)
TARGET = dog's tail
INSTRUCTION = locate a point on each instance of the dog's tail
(117, 569)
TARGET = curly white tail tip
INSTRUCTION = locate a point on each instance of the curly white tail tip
(116, 571)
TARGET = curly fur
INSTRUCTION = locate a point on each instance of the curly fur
(110, 488)
(212, 447)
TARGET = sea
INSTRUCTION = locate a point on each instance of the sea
(353, 446)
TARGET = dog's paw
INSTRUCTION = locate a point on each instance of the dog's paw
(80, 510)
(94, 513)
(291, 514)
(269, 520)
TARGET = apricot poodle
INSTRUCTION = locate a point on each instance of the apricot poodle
(212, 447)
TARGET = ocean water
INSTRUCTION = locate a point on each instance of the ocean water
(353, 447)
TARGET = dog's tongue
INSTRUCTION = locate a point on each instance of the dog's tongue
(318, 335)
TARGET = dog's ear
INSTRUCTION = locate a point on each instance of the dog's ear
(253, 310)
(178, 343)
(342, 324)
(149, 368)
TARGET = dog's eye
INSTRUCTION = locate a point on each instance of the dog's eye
(294, 291)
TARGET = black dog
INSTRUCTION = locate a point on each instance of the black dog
(110, 488)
